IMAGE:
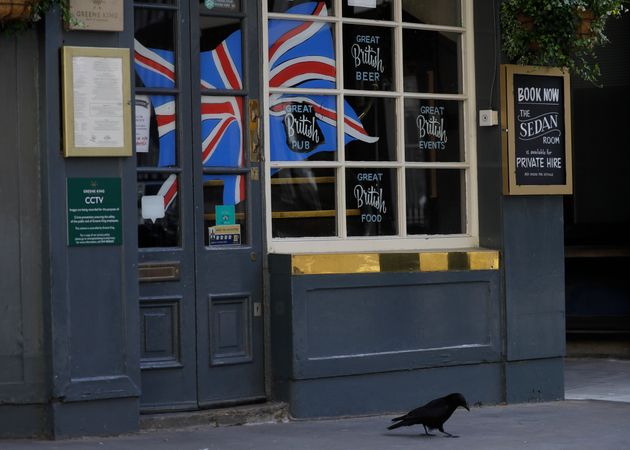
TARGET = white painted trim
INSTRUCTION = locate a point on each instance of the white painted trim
(264, 110)
(470, 120)
(370, 164)
(401, 207)
(383, 244)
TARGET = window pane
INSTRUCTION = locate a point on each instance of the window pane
(154, 48)
(221, 53)
(431, 62)
(368, 57)
(303, 127)
(368, 9)
(433, 12)
(222, 131)
(303, 203)
(370, 127)
(309, 7)
(432, 131)
(156, 136)
(224, 209)
(219, 5)
(435, 201)
(301, 54)
(371, 202)
(158, 210)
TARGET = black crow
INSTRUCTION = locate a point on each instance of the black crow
(432, 415)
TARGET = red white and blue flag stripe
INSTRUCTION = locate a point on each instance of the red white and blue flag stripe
(222, 116)
(301, 54)
(156, 69)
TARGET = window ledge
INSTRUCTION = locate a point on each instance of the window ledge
(349, 263)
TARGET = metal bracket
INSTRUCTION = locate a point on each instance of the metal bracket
(254, 131)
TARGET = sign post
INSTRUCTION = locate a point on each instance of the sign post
(536, 121)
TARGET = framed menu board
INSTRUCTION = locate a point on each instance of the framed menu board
(96, 101)
(536, 125)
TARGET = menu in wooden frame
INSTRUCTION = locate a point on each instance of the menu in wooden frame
(96, 101)
(536, 125)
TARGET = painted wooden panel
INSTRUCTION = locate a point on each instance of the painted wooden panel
(21, 317)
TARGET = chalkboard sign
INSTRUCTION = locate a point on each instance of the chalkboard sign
(536, 120)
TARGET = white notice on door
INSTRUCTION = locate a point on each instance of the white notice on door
(143, 122)
(363, 3)
(152, 207)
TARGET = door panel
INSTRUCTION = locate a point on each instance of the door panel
(229, 280)
(200, 319)
(165, 210)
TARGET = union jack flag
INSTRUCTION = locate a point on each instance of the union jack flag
(168, 190)
(156, 69)
(301, 54)
(222, 116)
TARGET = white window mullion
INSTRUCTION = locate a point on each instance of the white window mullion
(342, 229)
(470, 122)
(401, 197)
(265, 118)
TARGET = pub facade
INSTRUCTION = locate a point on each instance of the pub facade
(235, 201)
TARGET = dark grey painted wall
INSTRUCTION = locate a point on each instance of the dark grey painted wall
(69, 321)
(529, 232)
(534, 298)
(354, 344)
(534, 277)
(22, 352)
(370, 343)
(528, 229)
(92, 305)
(68, 316)
(487, 57)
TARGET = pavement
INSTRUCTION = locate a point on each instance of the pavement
(570, 424)
(597, 379)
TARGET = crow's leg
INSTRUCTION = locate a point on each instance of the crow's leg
(447, 433)
(427, 431)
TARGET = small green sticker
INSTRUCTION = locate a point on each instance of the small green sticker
(225, 214)
(209, 4)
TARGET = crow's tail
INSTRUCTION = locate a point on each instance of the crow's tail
(397, 425)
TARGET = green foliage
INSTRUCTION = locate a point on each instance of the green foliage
(560, 33)
(38, 11)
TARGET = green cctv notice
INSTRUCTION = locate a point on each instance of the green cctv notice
(94, 211)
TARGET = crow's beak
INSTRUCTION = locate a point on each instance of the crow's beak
(467, 408)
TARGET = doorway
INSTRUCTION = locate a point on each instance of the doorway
(597, 216)
(200, 219)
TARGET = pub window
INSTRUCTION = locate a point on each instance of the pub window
(369, 125)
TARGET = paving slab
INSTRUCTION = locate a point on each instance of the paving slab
(571, 424)
(597, 379)
(555, 425)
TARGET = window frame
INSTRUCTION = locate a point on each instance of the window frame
(401, 241)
